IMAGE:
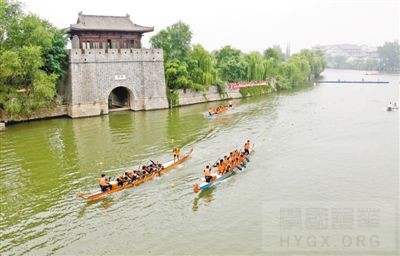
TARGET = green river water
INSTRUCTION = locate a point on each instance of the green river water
(324, 144)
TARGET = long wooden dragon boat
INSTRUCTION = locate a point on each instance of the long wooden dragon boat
(115, 188)
(219, 178)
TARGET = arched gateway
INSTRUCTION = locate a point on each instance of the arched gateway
(109, 70)
(120, 98)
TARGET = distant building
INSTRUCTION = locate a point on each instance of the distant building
(348, 53)
(109, 70)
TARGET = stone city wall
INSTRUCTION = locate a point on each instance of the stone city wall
(94, 73)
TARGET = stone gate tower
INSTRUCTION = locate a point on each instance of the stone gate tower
(109, 70)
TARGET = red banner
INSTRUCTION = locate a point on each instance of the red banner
(238, 85)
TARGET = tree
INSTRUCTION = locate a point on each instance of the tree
(389, 56)
(230, 64)
(174, 40)
(177, 75)
(300, 68)
(56, 56)
(255, 66)
(10, 12)
(315, 60)
(274, 54)
(202, 66)
(32, 59)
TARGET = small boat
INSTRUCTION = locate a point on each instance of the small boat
(217, 111)
(219, 178)
(115, 188)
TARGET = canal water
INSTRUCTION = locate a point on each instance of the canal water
(323, 145)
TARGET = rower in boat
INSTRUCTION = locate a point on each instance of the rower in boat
(236, 162)
(247, 147)
(120, 180)
(242, 158)
(228, 168)
(176, 152)
(138, 174)
(128, 176)
(133, 175)
(207, 174)
(230, 104)
(220, 167)
(104, 183)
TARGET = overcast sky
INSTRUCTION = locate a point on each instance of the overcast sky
(247, 24)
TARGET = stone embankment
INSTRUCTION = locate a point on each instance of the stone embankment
(187, 97)
(192, 97)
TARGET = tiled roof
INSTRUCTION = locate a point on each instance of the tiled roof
(108, 23)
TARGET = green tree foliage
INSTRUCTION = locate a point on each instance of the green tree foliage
(298, 69)
(185, 66)
(28, 30)
(254, 67)
(273, 57)
(9, 13)
(32, 59)
(273, 53)
(315, 60)
(230, 64)
(389, 56)
(202, 66)
(55, 56)
(177, 75)
(174, 40)
(188, 67)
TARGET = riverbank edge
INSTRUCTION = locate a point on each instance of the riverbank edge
(56, 112)
(185, 98)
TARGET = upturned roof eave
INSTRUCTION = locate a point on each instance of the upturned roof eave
(144, 30)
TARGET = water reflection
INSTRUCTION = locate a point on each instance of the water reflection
(204, 195)
(185, 125)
